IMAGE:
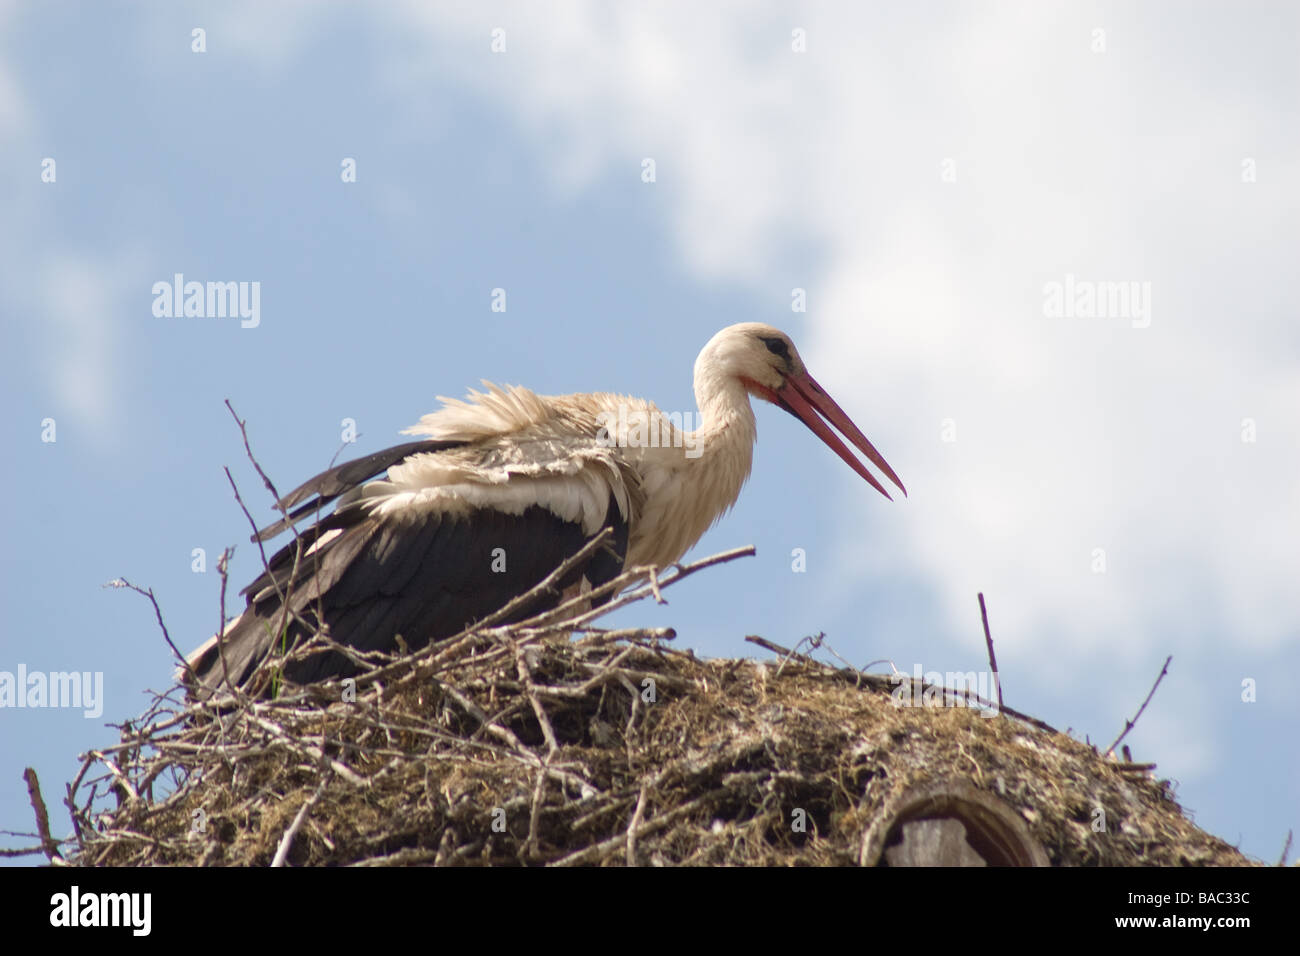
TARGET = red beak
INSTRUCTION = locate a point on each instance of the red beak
(807, 401)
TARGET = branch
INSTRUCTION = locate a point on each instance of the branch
(1128, 724)
(282, 851)
(124, 583)
(48, 843)
(247, 448)
(988, 639)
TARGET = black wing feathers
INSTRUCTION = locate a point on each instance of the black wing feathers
(425, 575)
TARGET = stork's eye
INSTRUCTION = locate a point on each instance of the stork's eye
(778, 347)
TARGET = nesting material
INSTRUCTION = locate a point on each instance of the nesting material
(525, 745)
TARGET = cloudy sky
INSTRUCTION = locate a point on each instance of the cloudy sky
(1048, 255)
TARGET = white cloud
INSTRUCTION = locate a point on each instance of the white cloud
(76, 298)
(70, 298)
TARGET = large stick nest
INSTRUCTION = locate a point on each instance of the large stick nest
(526, 745)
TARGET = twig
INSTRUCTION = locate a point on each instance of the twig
(626, 578)
(261, 545)
(598, 637)
(270, 486)
(654, 586)
(223, 567)
(635, 825)
(1286, 850)
(785, 653)
(1128, 724)
(881, 682)
(893, 668)
(595, 852)
(22, 850)
(477, 712)
(124, 583)
(314, 752)
(48, 843)
(534, 817)
(547, 622)
(988, 639)
(282, 851)
(819, 641)
(284, 595)
(117, 773)
(547, 583)
(526, 677)
(69, 801)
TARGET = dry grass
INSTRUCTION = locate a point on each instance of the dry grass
(521, 745)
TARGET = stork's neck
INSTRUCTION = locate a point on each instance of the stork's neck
(726, 415)
(725, 440)
(688, 492)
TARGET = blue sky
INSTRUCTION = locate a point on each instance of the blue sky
(924, 174)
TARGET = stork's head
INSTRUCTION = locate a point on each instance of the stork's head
(766, 363)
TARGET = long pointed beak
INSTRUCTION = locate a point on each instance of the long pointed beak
(802, 397)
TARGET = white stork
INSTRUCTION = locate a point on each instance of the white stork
(504, 487)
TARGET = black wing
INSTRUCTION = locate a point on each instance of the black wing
(425, 576)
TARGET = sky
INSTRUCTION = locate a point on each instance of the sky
(1044, 254)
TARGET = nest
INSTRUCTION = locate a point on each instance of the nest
(524, 745)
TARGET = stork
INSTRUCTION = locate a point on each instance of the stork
(500, 490)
